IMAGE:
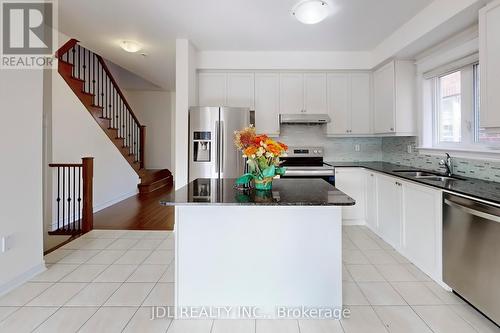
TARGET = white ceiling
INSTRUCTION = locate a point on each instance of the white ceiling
(357, 25)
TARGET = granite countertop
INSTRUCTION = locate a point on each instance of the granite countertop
(481, 189)
(285, 192)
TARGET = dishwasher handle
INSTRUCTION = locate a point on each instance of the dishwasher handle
(474, 212)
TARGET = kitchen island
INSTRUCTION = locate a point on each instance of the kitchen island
(258, 253)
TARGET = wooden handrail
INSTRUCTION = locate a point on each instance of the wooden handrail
(88, 194)
(55, 165)
(66, 47)
(106, 69)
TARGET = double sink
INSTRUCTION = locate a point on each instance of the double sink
(424, 175)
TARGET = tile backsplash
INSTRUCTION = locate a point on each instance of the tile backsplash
(388, 149)
(335, 149)
(395, 150)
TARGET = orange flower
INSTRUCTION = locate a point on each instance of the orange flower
(250, 151)
(275, 149)
(260, 138)
(284, 146)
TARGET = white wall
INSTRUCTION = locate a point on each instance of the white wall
(21, 102)
(76, 134)
(185, 96)
(154, 110)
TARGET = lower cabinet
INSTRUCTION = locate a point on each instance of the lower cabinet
(389, 209)
(351, 181)
(371, 201)
(422, 227)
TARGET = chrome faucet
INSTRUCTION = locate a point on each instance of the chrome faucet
(448, 164)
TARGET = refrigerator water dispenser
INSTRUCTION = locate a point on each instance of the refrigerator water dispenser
(202, 146)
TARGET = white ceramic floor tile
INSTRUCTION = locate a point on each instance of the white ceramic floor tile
(401, 319)
(399, 258)
(347, 244)
(417, 273)
(98, 244)
(190, 326)
(122, 244)
(362, 319)
(442, 319)
(94, 294)
(161, 295)
(233, 325)
(141, 322)
(447, 297)
(106, 257)
(6, 311)
(78, 257)
(57, 294)
(381, 293)
(156, 235)
(130, 294)
(55, 272)
(366, 244)
(364, 273)
(26, 319)
(416, 293)
(66, 320)
(134, 234)
(147, 244)
(352, 295)
(320, 326)
(109, 320)
(169, 275)
(380, 257)
(116, 273)
(395, 273)
(346, 276)
(24, 293)
(133, 257)
(56, 255)
(354, 257)
(474, 318)
(76, 244)
(102, 233)
(147, 273)
(160, 257)
(167, 244)
(84, 273)
(277, 326)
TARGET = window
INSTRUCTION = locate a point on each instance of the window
(457, 110)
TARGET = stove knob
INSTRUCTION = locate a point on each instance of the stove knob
(315, 151)
(319, 151)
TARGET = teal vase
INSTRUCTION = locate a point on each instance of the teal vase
(264, 184)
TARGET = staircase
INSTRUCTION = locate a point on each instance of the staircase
(88, 76)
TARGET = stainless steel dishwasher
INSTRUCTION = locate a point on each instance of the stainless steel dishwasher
(471, 252)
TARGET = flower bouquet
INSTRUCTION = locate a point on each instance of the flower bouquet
(263, 156)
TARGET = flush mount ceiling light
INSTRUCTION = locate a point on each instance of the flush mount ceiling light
(311, 11)
(130, 46)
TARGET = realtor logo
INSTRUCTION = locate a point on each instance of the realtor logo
(27, 34)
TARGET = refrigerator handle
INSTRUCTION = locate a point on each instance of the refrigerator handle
(217, 150)
(222, 139)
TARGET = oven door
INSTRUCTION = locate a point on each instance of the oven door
(327, 174)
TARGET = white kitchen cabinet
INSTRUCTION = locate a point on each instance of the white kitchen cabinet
(371, 201)
(361, 103)
(394, 98)
(339, 103)
(489, 55)
(212, 89)
(422, 227)
(349, 103)
(389, 209)
(292, 93)
(267, 87)
(315, 100)
(352, 182)
(240, 90)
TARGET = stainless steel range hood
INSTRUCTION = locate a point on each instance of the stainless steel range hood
(304, 118)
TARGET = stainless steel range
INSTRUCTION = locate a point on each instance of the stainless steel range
(307, 162)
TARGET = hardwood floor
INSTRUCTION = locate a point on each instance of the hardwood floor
(140, 212)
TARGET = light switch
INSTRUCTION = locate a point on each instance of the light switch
(5, 244)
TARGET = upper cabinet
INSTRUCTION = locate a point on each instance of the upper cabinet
(267, 103)
(303, 92)
(394, 98)
(315, 100)
(349, 103)
(489, 55)
(212, 89)
(240, 90)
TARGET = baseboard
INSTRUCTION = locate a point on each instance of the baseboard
(22, 278)
(354, 222)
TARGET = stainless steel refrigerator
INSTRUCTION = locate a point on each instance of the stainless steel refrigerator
(212, 153)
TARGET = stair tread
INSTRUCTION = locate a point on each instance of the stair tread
(150, 176)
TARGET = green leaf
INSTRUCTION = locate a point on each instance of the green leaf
(269, 171)
(281, 171)
(244, 179)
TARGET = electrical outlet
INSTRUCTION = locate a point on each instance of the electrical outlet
(5, 244)
(409, 149)
(357, 147)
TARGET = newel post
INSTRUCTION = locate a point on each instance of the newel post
(142, 146)
(88, 208)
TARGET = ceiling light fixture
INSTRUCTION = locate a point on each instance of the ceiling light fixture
(130, 46)
(311, 11)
